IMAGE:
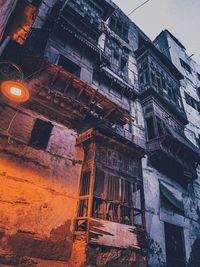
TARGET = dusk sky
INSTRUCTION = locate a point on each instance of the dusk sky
(180, 17)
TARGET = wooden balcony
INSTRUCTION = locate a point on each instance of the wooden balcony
(174, 156)
(65, 97)
(86, 15)
(152, 90)
(116, 134)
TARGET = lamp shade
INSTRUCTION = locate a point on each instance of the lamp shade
(15, 91)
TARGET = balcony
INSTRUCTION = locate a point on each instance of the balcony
(96, 9)
(160, 78)
(175, 156)
(65, 97)
(86, 15)
(117, 134)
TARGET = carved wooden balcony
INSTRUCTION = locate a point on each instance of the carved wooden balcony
(174, 156)
(160, 78)
(86, 15)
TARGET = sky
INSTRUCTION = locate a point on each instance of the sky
(180, 17)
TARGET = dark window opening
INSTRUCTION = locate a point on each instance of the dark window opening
(173, 95)
(150, 128)
(175, 246)
(160, 126)
(159, 82)
(120, 27)
(116, 58)
(40, 134)
(153, 77)
(198, 140)
(146, 76)
(123, 64)
(69, 66)
(113, 21)
(169, 92)
(163, 84)
(141, 78)
(185, 66)
(192, 102)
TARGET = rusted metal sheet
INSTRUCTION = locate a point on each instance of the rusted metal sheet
(6, 9)
(114, 234)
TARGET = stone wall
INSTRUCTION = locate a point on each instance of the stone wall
(39, 188)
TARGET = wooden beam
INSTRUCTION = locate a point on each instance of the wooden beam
(55, 75)
(108, 114)
(67, 84)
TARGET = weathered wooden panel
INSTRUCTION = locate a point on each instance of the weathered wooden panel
(113, 234)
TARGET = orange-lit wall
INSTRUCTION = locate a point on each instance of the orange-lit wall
(39, 189)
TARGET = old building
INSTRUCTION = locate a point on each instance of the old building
(71, 155)
(98, 166)
(176, 223)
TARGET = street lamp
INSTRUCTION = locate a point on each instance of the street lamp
(15, 91)
(12, 86)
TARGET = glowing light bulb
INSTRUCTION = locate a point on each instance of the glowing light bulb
(16, 91)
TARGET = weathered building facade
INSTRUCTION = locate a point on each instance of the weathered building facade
(97, 167)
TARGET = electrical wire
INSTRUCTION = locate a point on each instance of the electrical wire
(138, 7)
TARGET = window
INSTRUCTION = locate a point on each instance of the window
(120, 27)
(198, 140)
(175, 246)
(185, 66)
(118, 58)
(159, 81)
(69, 66)
(153, 78)
(192, 102)
(164, 84)
(40, 134)
(116, 199)
(160, 126)
(123, 64)
(198, 91)
(198, 76)
(146, 77)
(150, 128)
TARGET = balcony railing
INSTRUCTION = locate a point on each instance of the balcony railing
(167, 151)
